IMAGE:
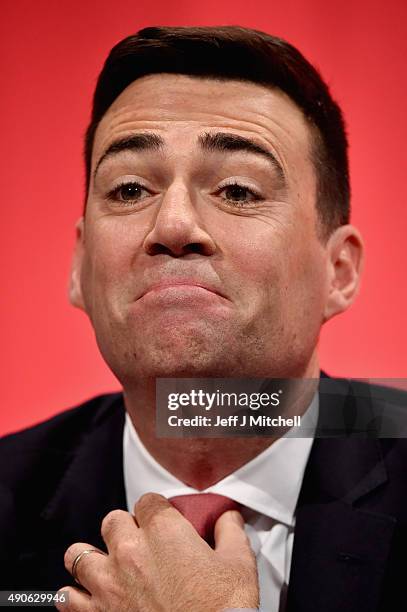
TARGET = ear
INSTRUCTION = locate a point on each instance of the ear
(345, 262)
(75, 288)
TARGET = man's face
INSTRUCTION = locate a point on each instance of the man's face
(199, 253)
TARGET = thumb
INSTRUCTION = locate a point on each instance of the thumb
(230, 537)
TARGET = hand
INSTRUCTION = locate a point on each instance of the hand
(157, 562)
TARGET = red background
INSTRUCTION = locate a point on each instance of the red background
(51, 53)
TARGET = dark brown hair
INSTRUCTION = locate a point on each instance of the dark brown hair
(236, 53)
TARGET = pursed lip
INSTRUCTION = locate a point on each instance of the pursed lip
(174, 282)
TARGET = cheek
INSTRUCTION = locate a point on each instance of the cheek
(108, 263)
(283, 264)
(306, 289)
(258, 251)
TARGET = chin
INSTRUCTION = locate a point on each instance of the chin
(180, 350)
(185, 366)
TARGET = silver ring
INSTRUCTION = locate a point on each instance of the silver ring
(87, 551)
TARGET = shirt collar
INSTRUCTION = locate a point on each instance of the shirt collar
(269, 484)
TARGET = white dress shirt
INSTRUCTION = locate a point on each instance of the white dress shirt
(268, 486)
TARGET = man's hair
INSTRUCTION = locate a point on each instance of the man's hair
(236, 53)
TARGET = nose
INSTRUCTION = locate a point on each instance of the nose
(178, 230)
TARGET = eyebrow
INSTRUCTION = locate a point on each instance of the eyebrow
(223, 141)
(136, 142)
(220, 141)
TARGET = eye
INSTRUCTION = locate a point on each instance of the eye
(238, 194)
(128, 192)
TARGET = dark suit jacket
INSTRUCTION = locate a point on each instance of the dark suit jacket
(60, 478)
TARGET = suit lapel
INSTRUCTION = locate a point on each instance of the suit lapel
(340, 547)
(91, 486)
(93, 483)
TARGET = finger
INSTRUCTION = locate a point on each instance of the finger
(117, 527)
(230, 537)
(74, 600)
(89, 568)
(152, 505)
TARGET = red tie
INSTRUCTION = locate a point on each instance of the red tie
(203, 510)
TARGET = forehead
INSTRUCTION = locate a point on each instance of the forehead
(181, 106)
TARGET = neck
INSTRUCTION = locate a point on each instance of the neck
(208, 459)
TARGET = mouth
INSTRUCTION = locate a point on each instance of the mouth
(182, 287)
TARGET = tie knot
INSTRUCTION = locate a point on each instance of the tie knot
(203, 510)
